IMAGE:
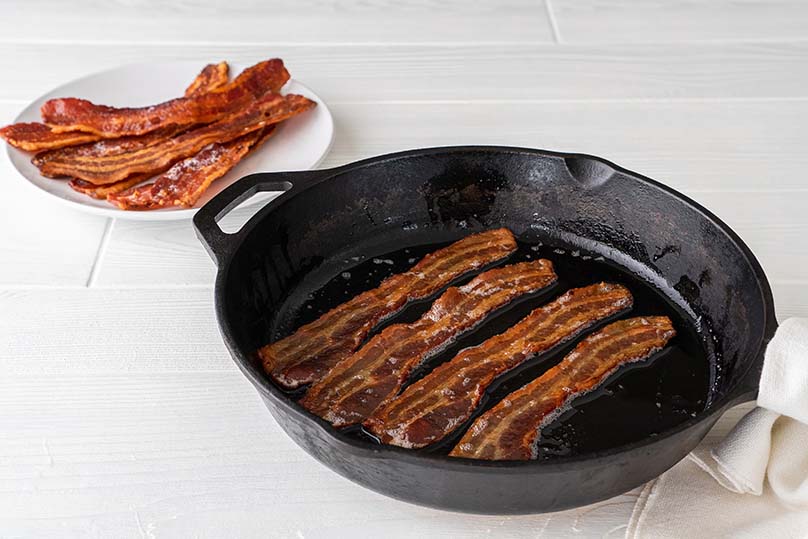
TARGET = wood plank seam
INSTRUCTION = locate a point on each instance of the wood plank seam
(553, 22)
(102, 246)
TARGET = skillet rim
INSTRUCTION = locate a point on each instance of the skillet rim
(744, 389)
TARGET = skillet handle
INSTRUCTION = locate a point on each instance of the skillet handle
(217, 242)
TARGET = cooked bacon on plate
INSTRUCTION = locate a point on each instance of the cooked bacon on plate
(35, 137)
(510, 430)
(434, 406)
(106, 169)
(73, 114)
(374, 374)
(312, 350)
(101, 192)
(184, 183)
(211, 77)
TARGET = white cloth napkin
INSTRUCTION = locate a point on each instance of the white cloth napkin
(754, 483)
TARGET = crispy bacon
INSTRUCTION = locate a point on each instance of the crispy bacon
(184, 183)
(73, 114)
(101, 192)
(312, 350)
(510, 430)
(211, 77)
(434, 406)
(373, 375)
(36, 137)
(155, 157)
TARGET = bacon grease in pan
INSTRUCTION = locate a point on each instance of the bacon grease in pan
(374, 374)
(73, 114)
(435, 405)
(510, 430)
(156, 157)
(312, 350)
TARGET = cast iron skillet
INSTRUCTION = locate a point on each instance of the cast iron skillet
(307, 236)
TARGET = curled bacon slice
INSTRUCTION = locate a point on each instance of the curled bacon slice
(184, 183)
(510, 430)
(435, 405)
(373, 375)
(211, 77)
(101, 192)
(35, 137)
(312, 350)
(155, 157)
(73, 114)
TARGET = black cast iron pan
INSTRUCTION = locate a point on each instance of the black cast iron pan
(594, 219)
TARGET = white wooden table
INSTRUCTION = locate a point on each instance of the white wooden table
(121, 413)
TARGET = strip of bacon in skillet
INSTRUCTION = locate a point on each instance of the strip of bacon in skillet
(73, 114)
(35, 137)
(435, 405)
(312, 350)
(184, 183)
(510, 430)
(155, 158)
(374, 374)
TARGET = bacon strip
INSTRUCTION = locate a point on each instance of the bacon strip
(101, 192)
(211, 77)
(156, 157)
(73, 114)
(184, 183)
(312, 350)
(434, 406)
(373, 375)
(510, 430)
(35, 137)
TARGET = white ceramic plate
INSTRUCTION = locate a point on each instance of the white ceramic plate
(300, 143)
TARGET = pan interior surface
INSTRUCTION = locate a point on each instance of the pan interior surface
(643, 400)
(343, 235)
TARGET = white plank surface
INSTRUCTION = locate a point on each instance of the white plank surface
(41, 243)
(275, 21)
(679, 20)
(121, 413)
(456, 72)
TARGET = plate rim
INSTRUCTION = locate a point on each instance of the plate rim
(117, 213)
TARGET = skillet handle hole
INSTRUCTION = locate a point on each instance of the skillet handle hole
(232, 221)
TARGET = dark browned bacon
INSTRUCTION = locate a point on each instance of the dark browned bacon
(312, 350)
(186, 181)
(510, 430)
(374, 374)
(34, 137)
(211, 77)
(434, 406)
(73, 114)
(156, 157)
